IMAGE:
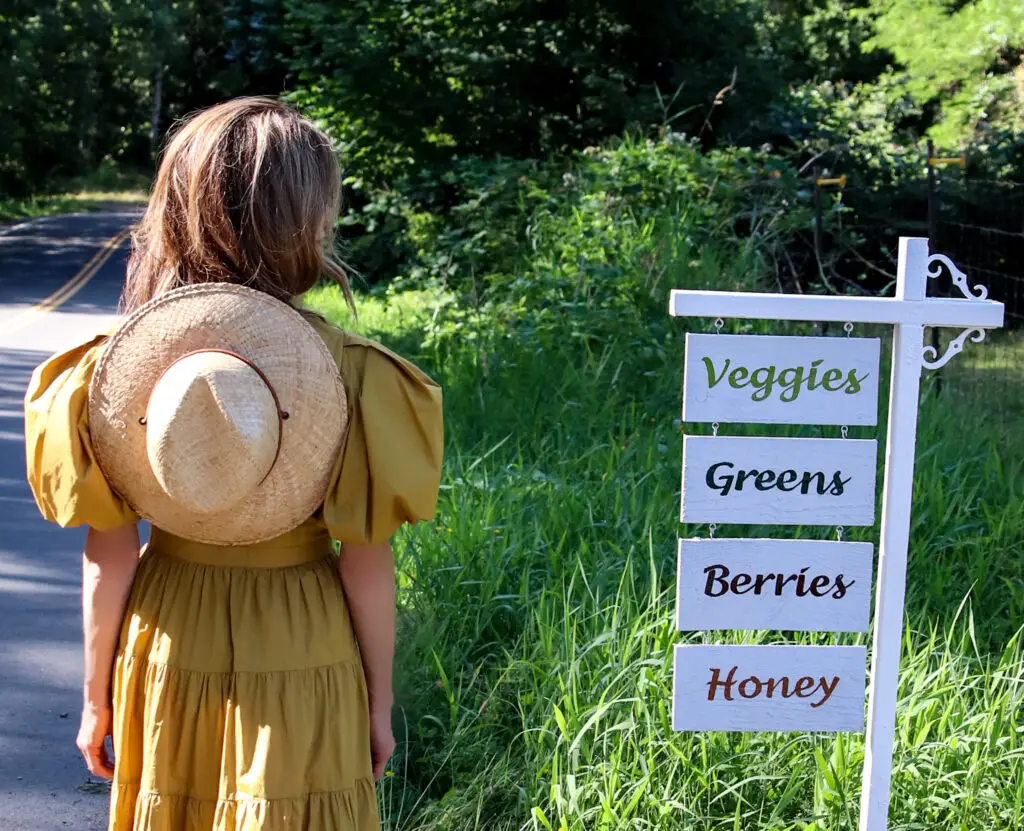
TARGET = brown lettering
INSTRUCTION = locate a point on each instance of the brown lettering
(716, 682)
(758, 685)
(828, 689)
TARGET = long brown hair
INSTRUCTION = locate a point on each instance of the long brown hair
(247, 192)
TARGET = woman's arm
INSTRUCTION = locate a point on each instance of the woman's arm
(368, 578)
(108, 568)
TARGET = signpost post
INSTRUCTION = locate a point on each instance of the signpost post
(792, 584)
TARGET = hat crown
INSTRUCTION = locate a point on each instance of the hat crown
(212, 431)
(199, 431)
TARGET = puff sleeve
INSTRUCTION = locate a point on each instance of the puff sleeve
(68, 486)
(389, 470)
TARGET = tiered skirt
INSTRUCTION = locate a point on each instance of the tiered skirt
(239, 698)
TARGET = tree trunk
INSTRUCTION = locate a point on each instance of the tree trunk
(154, 127)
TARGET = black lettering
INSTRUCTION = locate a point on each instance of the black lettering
(787, 478)
(838, 484)
(716, 579)
(760, 581)
(725, 485)
(783, 582)
(800, 590)
(841, 587)
(808, 477)
(819, 585)
(742, 476)
(741, 583)
(765, 480)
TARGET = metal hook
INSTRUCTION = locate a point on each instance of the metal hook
(714, 429)
(839, 533)
(845, 431)
(711, 530)
(719, 323)
(848, 328)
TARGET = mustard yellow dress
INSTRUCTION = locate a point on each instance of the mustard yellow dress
(239, 698)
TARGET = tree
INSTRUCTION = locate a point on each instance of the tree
(965, 60)
(404, 80)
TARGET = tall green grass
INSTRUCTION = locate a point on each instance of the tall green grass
(535, 645)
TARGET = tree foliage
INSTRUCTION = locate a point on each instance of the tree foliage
(964, 60)
(404, 80)
(79, 77)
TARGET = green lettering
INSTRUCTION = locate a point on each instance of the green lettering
(812, 382)
(738, 377)
(712, 380)
(791, 380)
(764, 380)
(855, 382)
(830, 378)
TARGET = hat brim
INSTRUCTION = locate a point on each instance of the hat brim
(296, 362)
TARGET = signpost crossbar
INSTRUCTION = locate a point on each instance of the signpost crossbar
(932, 311)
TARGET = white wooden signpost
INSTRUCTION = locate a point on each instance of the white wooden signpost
(806, 584)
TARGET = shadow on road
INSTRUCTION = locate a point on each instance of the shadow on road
(40, 639)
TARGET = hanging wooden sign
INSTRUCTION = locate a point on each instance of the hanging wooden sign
(764, 379)
(757, 689)
(778, 481)
(808, 585)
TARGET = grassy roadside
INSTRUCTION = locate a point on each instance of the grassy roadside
(535, 649)
(105, 189)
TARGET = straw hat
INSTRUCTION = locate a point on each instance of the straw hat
(217, 412)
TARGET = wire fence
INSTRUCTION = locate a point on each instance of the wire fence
(978, 223)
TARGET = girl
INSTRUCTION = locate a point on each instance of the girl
(242, 669)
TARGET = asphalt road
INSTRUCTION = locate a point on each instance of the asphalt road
(43, 782)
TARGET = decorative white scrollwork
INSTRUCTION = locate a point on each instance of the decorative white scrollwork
(935, 263)
(956, 346)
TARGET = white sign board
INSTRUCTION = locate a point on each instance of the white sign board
(757, 689)
(778, 481)
(764, 379)
(807, 585)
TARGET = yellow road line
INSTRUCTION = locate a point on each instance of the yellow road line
(71, 287)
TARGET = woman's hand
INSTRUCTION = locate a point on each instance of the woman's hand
(108, 568)
(382, 741)
(92, 733)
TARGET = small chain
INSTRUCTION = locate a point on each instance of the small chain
(711, 530)
(845, 431)
(839, 533)
(848, 328)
